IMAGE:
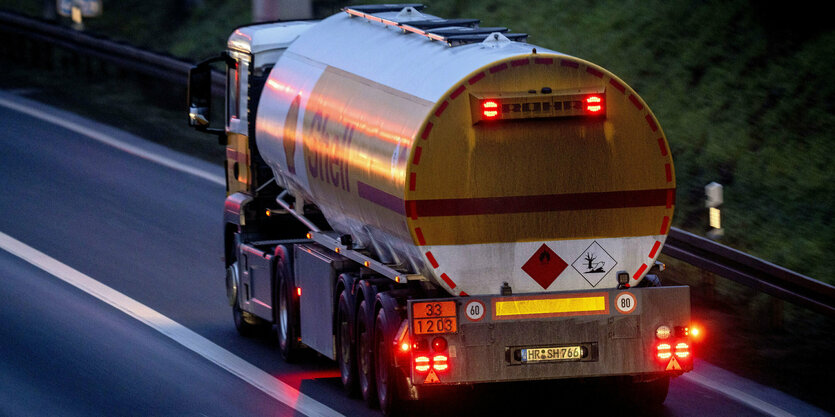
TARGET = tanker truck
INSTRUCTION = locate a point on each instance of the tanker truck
(431, 203)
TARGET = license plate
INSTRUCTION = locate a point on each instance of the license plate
(434, 317)
(549, 354)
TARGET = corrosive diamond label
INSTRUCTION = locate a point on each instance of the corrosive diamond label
(594, 263)
(544, 266)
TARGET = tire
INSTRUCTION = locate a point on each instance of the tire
(346, 349)
(365, 354)
(246, 324)
(287, 320)
(387, 375)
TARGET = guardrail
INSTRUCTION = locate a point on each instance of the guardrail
(695, 250)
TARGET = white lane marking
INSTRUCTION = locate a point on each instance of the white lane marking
(111, 141)
(693, 377)
(177, 332)
(735, 394)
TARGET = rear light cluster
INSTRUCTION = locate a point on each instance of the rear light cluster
(672, 342)
(437, 360)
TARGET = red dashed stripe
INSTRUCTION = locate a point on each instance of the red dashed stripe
(448, 281)
(419, 234)
(426, 131)
(476, 78)
(431, 259)
(458, 92)
(544, 61)
(595, 72)
(412, 181)
(668, 170)
(412, 210)
(618, 85)
(441, 109)
(520, 62)
(662, 146)
(636, 102)
(497, 68)
(651, 123)
(567, 63)
(416, 158)
(654, 249)
(463, 294)
(664, 224)
(671, 198)
(640, 271)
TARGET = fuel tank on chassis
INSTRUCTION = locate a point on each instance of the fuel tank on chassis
(383, 131)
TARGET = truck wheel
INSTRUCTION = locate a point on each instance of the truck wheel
(386, 374)
(346, 351)
(365, 354)
(246, 324)
(287, 321)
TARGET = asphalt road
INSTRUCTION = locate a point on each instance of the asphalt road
(153, 233)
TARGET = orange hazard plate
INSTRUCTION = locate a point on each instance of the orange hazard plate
(434, 317)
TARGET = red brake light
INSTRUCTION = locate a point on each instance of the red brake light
(682, 350)
(664, 351)
(440, 363)
(490, 109)
(422, 363)
(594, 104)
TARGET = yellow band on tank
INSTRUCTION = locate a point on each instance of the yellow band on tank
(517, 308)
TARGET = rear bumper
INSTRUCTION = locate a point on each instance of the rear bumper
(614, 329)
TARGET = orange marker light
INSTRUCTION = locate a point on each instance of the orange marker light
(299, 291)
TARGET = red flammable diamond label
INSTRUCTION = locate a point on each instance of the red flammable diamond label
(544, 266)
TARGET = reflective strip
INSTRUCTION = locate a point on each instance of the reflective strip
(516, 308)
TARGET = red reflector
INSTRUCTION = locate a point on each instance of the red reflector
(664, 351)
(490, 109)
(440, 363)
(422, 363)
(594, 104)
(439, 344)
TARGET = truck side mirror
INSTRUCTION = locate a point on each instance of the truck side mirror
(200, 95)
